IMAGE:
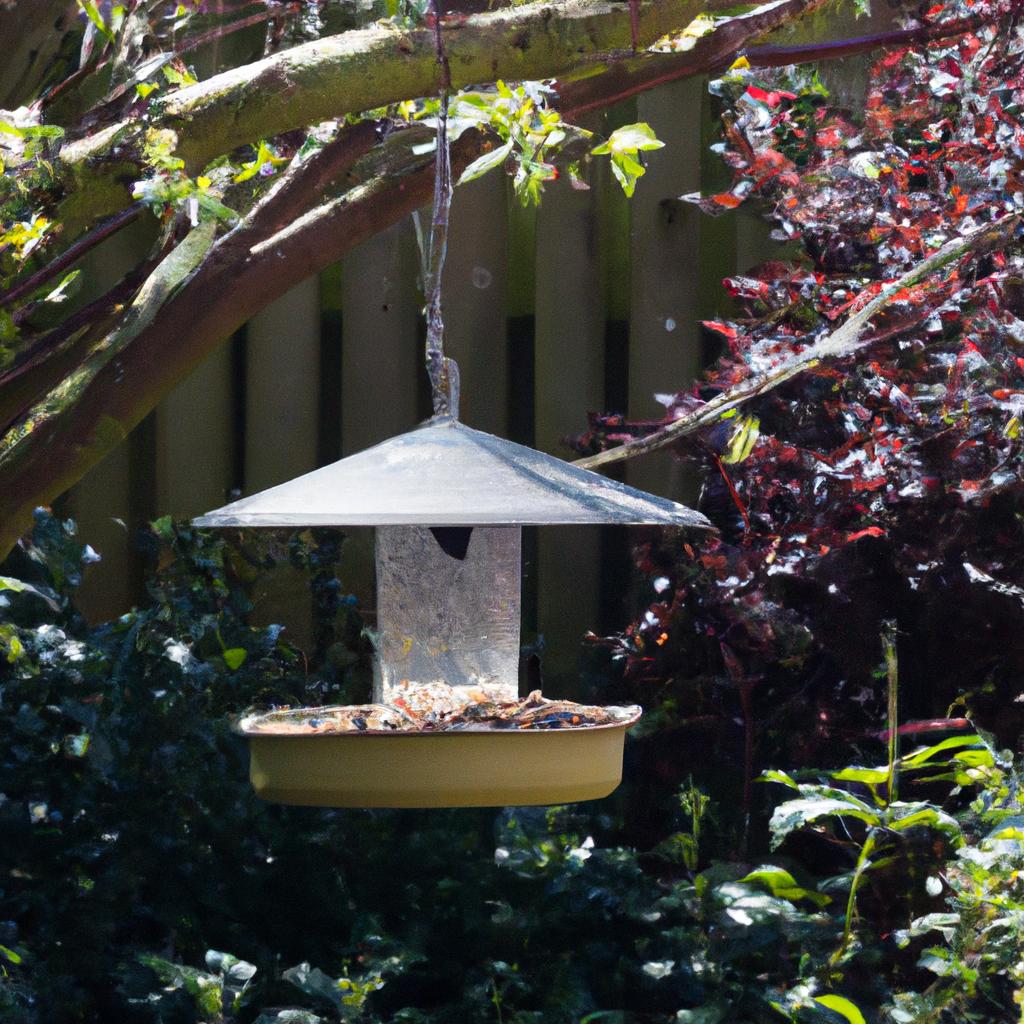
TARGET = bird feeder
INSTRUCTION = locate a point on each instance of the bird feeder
(448, 503)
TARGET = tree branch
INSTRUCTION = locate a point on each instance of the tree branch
(72, 253)
(280, 243)
(844, 341)
(352, 72)
(717, 50)
(597, 86)
(71, 431)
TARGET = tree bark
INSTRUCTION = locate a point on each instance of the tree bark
(350, 73)
(54, 447)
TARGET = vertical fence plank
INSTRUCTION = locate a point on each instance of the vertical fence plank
(476, 334)
(195, 437)
(196, 432)
(282, 388)
(381, 365)
(108, 503)
(569, 381)
(282, 416)
(665, 352)
(380, 360)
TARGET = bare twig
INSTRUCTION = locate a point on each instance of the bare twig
(72, 253)
(845, 341)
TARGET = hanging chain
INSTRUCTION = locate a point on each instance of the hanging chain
(443, 373)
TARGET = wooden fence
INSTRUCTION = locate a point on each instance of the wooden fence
(590, 302)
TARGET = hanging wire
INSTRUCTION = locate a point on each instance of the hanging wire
(443, 372)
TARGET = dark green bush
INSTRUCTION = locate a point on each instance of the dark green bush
(133, 849)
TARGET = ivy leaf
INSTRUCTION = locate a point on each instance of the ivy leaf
(479, 167)
(234, 657)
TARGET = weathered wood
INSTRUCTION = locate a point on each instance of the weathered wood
(474, 302)
(569, 381)
(195, 437)
(665, 353)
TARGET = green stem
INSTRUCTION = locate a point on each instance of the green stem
(863, 863)
(892, 676)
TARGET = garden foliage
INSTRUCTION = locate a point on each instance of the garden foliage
(141, 881)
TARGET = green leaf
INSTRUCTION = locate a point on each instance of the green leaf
(872, 776)
(843, 1007)
(782, 884)
(20, 587)
(917, 815)
(64, 290)
(15, 958)
(234, 657)
(794, 814)
(479, 167)
(925, 754)
(93, 13)
(630, 138)
(775, 775)
(744, 436)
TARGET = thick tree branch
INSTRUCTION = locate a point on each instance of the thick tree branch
(352, 72)
(598, 86)
(845, 341)
(45, 455)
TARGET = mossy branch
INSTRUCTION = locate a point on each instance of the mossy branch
(353, 72)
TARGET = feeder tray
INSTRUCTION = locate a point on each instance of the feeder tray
(466, 768)
(448, 503)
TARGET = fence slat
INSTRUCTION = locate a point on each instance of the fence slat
(569, 381)
(381, 365)
(664, 336)
(195, 433)
(380, 359)
(282, 416)
(476, 334)
(282, 388)
(109, 503)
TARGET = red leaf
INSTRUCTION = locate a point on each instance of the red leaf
(870, 531)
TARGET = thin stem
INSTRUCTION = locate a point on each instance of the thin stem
(72, 253)
(863, 863)
(892, 675)
(441, 370)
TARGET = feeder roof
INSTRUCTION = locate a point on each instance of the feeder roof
(447, 474)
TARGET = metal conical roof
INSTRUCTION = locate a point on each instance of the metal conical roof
(446, 474)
